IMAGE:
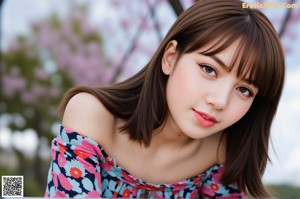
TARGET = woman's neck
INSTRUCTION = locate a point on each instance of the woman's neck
(170, 135)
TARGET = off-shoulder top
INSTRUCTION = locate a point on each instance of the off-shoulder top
(80, 168)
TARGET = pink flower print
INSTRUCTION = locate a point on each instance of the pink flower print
(134, 190)
(150, 188)
(159, 196)
(89, 167)
(214, 186)
(60, 194)
(75, 172)
(194, 194)
(62, 148)
(206, 191)
(108, 164)
(93, 194)
(61, 160)
(98, 177)
(175, 192)
(64, 182)
(55, 180)
(67, 130)
(86, 144)
(81, 153)
(217, 176)
(179, 186)
(91, 149)
(126, 193)
(197, 179)
(233, 196)
(53, 154)
(128, 178)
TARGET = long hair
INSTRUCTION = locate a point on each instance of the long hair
(141, 99)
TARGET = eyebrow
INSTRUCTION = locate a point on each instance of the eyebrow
(225, 67)
(220, 62)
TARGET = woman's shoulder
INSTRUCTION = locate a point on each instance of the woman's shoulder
(86, 114)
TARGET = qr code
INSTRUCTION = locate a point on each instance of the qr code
(12, 186)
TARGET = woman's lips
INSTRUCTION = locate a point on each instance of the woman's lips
(205, 119)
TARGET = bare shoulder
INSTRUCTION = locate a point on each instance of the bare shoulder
(86, 115)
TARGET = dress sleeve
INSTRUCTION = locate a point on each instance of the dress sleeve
(75, 167)
(213, 188)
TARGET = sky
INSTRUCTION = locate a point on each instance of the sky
(285, 167)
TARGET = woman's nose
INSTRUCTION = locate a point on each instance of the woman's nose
(219, 97)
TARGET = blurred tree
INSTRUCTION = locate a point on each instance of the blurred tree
(285, 190)
(39, 68)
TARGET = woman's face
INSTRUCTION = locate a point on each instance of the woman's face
(203, 96)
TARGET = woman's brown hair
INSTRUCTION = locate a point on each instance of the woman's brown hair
(141, 99)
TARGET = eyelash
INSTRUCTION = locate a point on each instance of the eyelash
(250, 92)
(204, 68)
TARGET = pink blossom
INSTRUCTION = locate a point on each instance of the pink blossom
(27, 97)
(54, 92)
(41, 74)
(12, 85)
(15, 71)
(85, 26)
(38, 91)
(14, 46)
(93, 49)
(46, 36)
(53, 111)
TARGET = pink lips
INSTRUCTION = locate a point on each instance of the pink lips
(205, 119)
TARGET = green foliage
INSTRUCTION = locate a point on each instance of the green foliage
(284, 190)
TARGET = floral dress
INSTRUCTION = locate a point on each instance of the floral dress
(80, 168)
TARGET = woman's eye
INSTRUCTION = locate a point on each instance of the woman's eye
(209, 70)
(245, 91)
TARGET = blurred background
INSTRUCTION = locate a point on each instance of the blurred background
(50, 46)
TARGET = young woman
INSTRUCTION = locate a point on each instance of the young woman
(194, 122)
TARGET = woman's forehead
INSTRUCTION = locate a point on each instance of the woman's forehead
(226, 56)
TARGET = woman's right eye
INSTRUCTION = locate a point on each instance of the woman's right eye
(210, 71)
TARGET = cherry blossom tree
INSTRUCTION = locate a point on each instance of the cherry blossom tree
(38, 68)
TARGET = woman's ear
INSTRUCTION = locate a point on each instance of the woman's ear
(169, 57)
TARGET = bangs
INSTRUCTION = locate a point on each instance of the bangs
(258, 60)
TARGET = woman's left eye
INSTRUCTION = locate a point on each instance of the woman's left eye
(208, 70)
(245, 91)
